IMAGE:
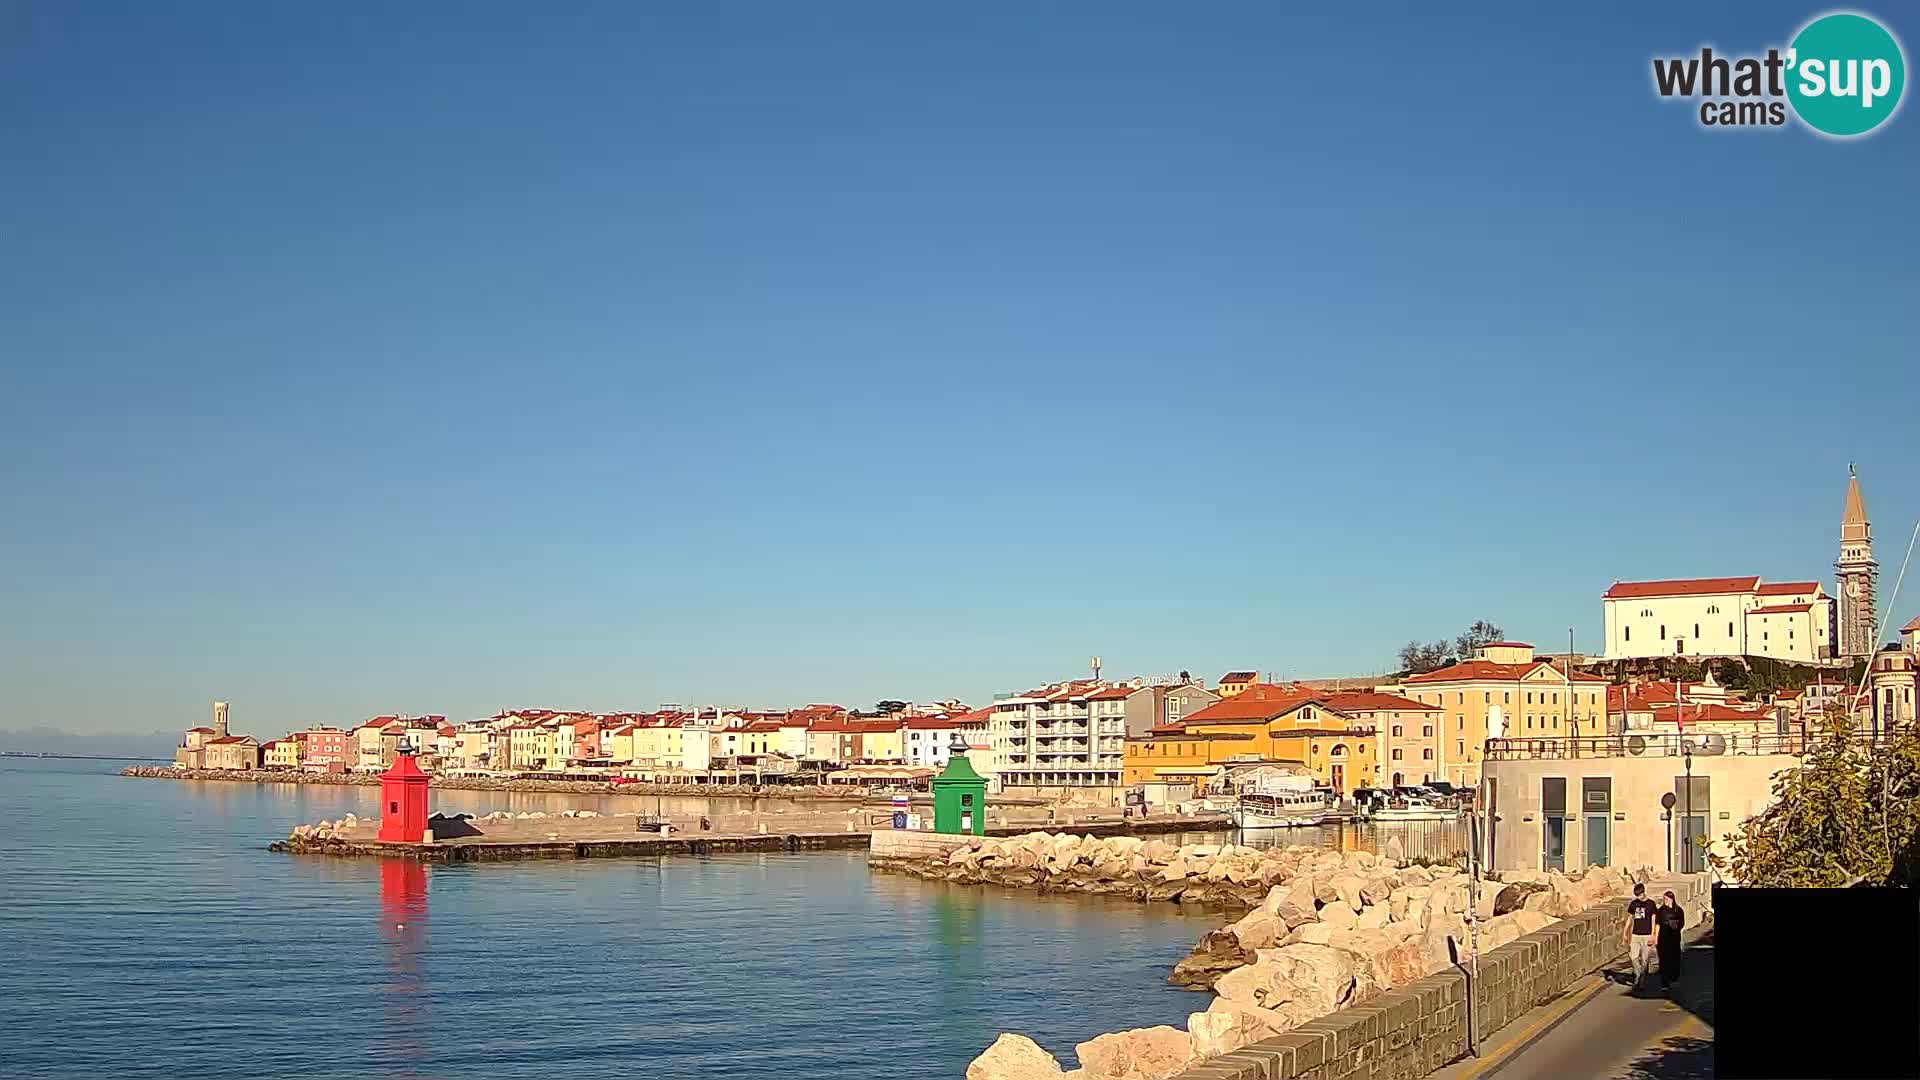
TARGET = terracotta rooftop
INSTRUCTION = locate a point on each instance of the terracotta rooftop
(1788, 588)
(1239, 676)
(1261, 701)
(1369, 700)
(1628, 590)
(1488, 671)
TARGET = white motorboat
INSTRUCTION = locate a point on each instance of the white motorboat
(1413, 808)
(1281, 809)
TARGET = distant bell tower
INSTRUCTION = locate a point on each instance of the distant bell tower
(1856, 573)
(219, 719)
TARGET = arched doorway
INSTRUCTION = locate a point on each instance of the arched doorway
(1337, 770)
(1396, 780)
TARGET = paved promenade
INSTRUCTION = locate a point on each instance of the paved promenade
(1598, 1030)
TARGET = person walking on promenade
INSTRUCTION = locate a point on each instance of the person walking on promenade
(1671, 918)
(1639, 934)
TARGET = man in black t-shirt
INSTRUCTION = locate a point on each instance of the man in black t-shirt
(1641, 914)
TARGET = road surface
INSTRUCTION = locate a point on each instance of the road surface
(1597, 1029)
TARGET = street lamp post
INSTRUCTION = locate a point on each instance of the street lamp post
(1686, 835)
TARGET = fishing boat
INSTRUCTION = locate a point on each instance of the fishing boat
(1281, 809)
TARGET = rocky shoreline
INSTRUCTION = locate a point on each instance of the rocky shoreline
(1327, 930)
(484, 783)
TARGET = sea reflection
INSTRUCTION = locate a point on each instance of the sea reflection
(403, 932)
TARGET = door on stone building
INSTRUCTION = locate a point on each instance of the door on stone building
(1339, 779)
(1553, 823)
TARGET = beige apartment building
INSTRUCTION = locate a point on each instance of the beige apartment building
(1503, 692)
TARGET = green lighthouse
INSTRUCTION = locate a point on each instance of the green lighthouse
(959, 795)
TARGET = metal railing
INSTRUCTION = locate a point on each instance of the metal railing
(1703, 744)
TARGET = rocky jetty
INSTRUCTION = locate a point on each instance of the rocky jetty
(1328, 930)
(1211, 875)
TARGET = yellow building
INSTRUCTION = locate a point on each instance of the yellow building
(616, 745)
(1234, 683)
(529, 746)
(661, 747)
(281, 754)
(1504, 692)
(880, 740)
(1261, 723)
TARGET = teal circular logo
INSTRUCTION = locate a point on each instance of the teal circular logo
(1845, 74)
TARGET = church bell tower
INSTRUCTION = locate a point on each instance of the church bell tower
(1855, 573)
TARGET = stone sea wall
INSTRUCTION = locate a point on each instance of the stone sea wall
(1329, 931)
(1213, 875)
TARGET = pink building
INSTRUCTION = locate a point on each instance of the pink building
(324, 750)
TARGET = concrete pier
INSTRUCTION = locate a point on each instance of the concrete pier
(618, 836)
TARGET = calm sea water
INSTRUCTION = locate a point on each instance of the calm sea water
(146, 931)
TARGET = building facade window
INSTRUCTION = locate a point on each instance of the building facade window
(1396, 731)
(1663, 631)
(1426, 731)
(1427, 753)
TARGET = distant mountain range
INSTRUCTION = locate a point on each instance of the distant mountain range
(45, 740)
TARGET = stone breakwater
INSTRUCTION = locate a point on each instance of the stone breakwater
(487, 783)
(1330, 931)
(1211, 875)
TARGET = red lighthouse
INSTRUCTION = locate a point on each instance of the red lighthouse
(403, 801)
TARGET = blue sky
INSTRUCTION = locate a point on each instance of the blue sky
(456, 357)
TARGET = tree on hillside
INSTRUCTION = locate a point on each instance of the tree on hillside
(1850, 814)
(889, 707)
(1480, 633)
(1418, 657)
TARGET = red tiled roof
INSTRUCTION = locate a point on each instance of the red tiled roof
(229, 739)
(1781, 609)
(1488, 671)
(763, 725)
(1626, 590)
(1788, 588)
(1261, 701)
(1708, 713)
(1113, 693)
(1240, 676)
(1371, 701)
(209, 731)
(1914, 625)
(932, 723)
(981, 716)
(873, 727)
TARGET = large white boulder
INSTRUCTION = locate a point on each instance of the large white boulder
(1013, 1057)
(1153, 1053)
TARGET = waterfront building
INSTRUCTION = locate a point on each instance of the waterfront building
(192, 751)
(324, 750)
(929, 739)
(367, 747)
(1236, 682)
(232, 752)
(1055, 736)
(1503, 690)
(1856, 575)
(1910, 636)
(281, 753)
(1407, 743)
(1564, 804)
(1293, 724)
(1791, 621)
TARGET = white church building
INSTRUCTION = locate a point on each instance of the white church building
(1706, 617)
